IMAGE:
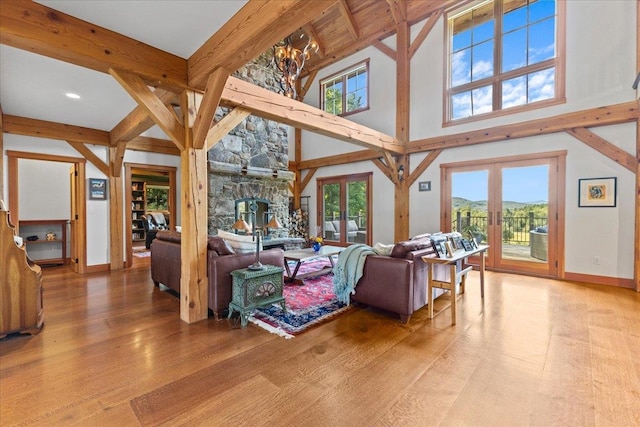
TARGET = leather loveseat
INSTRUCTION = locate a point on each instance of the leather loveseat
(221, 261)
(398, 282)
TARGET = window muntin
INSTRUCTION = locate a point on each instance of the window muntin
(503, 54)
(346, 92)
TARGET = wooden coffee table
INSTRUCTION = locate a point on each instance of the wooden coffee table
(308, 254)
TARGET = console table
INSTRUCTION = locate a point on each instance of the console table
(457, 274)
(255, 288)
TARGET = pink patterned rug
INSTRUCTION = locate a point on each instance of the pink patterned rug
(307, 305)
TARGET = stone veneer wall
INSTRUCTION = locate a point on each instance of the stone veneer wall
(252, 160)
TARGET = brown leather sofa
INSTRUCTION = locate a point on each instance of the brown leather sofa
(221, 261)
(398, 282)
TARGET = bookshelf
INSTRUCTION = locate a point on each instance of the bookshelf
(45, 250)
(138, 209)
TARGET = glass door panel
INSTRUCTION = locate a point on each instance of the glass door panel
(469, 205)
(344, 209)
(330, 212)
(356, 211)
(522, 217)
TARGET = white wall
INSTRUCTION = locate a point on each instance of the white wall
(97, 213)
(600, 66)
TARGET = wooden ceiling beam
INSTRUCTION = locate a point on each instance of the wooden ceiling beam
(208, 106)
(153, 145)
(605, 148)
(225, 125)
(601, 116)
(273, 106)
(251, 31)
(385, 49)
(165, 119)
(424, 32)
(339, 159)
(424, 164)
(31, 26)
(398, 10)
(138, 120)
(347, 16)
(43, 129)
(90, 156)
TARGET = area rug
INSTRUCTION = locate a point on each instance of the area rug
(142, 254)
(307, 305)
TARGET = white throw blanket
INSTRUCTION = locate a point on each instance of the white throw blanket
(349, 269)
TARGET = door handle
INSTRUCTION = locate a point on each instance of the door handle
(490, 218)
(498, 219)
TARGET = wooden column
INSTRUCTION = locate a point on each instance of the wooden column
(298, 156)
(1, 159)
(637, 222)
(194, 285)
(116, 218)
(403, 82)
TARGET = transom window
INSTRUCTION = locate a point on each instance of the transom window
(503, 54)
(347, 91)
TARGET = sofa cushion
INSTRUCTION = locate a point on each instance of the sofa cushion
(401, 249)
(169, 236)
(220, 246)
(421, 236)
(352, 226)
(240, 244)
(382, 249)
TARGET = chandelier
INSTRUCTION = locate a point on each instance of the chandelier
(290, 61)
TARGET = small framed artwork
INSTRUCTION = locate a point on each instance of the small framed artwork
(450, 250)
(466, 244)
(439, 248)
(424, 186)
(597, 192)
(97, 189)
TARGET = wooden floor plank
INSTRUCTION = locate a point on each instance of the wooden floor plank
(533, 352)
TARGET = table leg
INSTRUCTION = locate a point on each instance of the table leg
(454, 296)
(430, 291)
(292, 277)
(482, 274)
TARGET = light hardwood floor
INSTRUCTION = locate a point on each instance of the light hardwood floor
(535, 352)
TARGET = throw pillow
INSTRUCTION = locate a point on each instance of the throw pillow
(382, 249)
(240, 244)
(220, 246)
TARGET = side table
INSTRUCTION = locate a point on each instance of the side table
(255, 288)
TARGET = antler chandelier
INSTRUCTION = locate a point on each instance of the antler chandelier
(290, 61)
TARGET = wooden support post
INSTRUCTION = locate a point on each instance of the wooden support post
(637, 222)
(403, 82)
(1, 159)
(194, 285)
(116, 218)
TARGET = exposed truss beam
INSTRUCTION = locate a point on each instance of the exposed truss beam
(424, 32)
(31, 26)
(604, 147)
(164, 118)
(398, 10)
(385, 49)
(44, 129)
(424, 164)
(138, 120)
(347, 16)
(154, 145)
(601, 116)
(208, 106)
(225, 125)
(90, 156)
(273, 106)
(250, 32)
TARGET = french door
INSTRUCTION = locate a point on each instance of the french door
(344, 207)
(511, 204)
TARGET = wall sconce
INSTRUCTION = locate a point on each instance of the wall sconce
(401, 173)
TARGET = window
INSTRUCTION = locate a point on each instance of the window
(346, 92)
(503, 54)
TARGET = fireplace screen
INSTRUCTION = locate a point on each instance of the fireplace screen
(250, 204)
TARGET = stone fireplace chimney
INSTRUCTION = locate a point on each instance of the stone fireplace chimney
(252, 161)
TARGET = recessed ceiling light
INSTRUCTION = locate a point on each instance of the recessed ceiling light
(72, 95)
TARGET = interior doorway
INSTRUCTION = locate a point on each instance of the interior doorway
(150, 199)
(76, 191)
(513, 204)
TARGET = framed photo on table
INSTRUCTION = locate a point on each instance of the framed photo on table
(597, 192)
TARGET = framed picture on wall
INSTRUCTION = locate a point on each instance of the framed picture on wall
(97, 189)
(597, 192)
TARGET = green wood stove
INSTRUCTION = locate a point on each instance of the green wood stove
(256, 288)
